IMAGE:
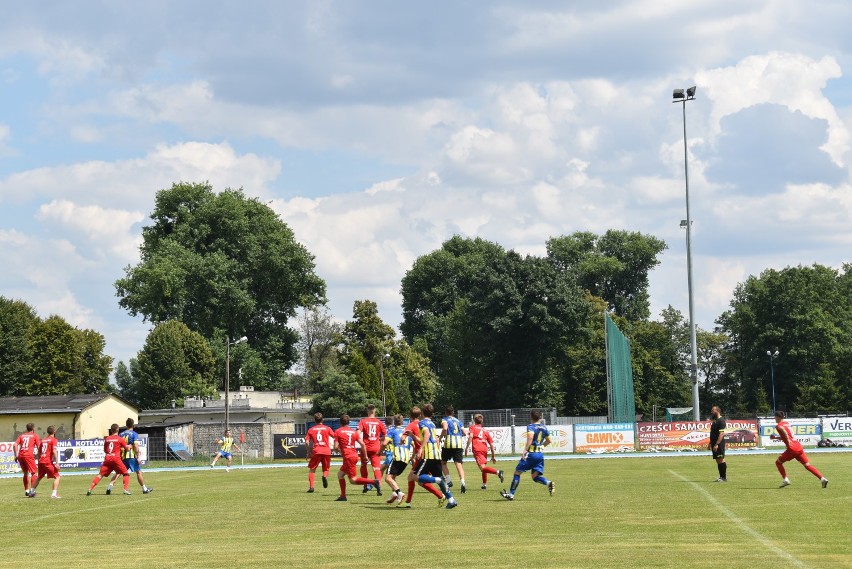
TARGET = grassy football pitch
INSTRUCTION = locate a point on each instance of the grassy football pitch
(611, 512)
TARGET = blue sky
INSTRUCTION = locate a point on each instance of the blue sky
(377, 130)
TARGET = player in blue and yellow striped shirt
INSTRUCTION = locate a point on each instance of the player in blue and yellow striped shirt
(400, 446)
(429, 471)
(453, 437)
(538, 437)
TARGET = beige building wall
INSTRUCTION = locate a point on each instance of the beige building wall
(13, 425)
(95, 420)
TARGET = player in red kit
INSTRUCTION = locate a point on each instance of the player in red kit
(24, 448)
(345, 439)
(480, 441)
(794, 451)
(318, 441)
(48, 462)
(113, 445)
(373, 432)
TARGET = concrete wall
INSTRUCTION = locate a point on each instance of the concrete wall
(258, 437)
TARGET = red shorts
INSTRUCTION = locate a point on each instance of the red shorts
(794, 454)
(375, 458)
(48, 470)
(28, 464)
(350, 466)
(480, 457)
(112, 464)
(317, 459)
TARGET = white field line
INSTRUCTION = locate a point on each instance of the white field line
(762, 539)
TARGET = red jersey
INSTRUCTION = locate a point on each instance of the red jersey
(480, 439)
(27, 443)
(792, 443)
(113, 445)
(413, 428)
(45, 450)
(373, 432)
(320, 437)
(346, 438)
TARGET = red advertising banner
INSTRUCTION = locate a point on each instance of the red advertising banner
(679, 435)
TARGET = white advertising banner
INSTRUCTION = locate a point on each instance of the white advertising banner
(807, 431)
(837, 429)
(604, 437)
(561, 439)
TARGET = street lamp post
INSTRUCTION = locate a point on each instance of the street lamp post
(228, 344)
(682, 96)
(382, 377)
(772, 355)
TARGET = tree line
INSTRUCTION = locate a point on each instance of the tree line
(483, 327)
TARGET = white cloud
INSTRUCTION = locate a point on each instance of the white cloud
(103, 228)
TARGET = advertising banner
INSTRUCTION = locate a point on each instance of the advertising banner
(8, 464)
(502, 437)
(290, 446)
(604, 437)
(837, 429)
(72, 454)
(680, 435)
(89, 453)
(807, 431)
(561, 439)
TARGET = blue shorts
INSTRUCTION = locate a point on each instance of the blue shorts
(132, 464)
(225, 454)
(534, 462)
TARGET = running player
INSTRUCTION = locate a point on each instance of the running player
(226, 444)
(794, 450)
(113, 445)
(345, 440)
(318, 441)
(400, 446)
(452, 446)
(130, 457)
(24, 449)
(429, 470)
(372, 435)
(48, 463)
(480, 441)
(532, 459)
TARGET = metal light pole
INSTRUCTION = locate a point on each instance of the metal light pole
(772, 357)
(382, 377)
(681, 96)
(228, 344)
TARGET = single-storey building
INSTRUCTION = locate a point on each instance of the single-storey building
(80, 416)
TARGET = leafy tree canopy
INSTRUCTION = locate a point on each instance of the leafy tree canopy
(224, 265)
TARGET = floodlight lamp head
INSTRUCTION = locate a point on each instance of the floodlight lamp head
(768, 352)
(690, 93)
(678, 94)
(241, 340)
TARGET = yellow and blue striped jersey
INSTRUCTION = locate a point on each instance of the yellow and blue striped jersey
(454, 434)
(540, 434)
(431, 449)
(401, 450)
(130, 438)
(227, 443)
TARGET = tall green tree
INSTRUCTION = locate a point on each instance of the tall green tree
(224, 265)
(613, 266)
(17, 322)
(320, 339)
(175, 363)
(340, 393)
(805, 313)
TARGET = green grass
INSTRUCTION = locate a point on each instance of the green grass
(636, 512)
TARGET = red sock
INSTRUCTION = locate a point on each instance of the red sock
(325, 473)
(433, 490)
(311, 478)
(342, 482)
(780, 467)
(813, 470)
(489, 470)
(363, 470)
(126, 480)
(411, 485)
(377, 472)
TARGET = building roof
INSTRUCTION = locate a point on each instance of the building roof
(53, 403)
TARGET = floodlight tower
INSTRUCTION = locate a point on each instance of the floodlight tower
(681, 96)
